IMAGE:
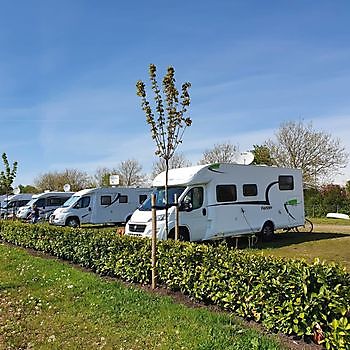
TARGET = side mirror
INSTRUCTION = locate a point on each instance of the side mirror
(186, 206)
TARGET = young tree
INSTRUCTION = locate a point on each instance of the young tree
(221, 153)
(7, 176)
(313, 202)
(316, 153)
(177, 161)
(130, 172)
(167, 129)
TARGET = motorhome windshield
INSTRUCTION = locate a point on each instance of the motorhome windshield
(11, 204)
(160, 197)
(31, 202)
(69, 202)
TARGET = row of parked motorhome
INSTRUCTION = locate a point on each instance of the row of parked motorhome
(9, 204)
(93, 206)
(215, 201)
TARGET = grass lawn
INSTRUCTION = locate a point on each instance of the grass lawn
(47, 304)
(329, 241)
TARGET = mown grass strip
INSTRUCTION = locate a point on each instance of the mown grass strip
(47, 304)
(328, 221)
(327, 242)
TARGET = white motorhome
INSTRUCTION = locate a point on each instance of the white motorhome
(3, 201)
(100, 206)
(224, 200)
(13, 203)
(47, 202)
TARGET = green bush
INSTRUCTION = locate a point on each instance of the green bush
(289, 296)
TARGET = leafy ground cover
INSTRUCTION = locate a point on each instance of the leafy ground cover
(47, 304)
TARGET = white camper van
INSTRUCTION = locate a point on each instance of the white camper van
(14, 202)
(224, 200)
(100, 206)
(47, 202)
(3, 201)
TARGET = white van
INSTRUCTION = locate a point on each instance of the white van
(47, 202)
(13, 202)
(3, 201)
(224, 200)
(100, 206)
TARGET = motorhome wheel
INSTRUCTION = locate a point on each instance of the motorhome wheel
(72, 222)
(183, 234)
(267, 232)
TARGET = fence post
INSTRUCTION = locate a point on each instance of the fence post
(154, 241)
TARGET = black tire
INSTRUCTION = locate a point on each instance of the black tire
(267, 232)
(183, 234)
(72, 222)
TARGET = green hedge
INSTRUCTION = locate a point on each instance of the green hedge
(289, 296)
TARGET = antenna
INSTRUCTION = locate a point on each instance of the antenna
(114, 180)
(245, 158)
(16, 190)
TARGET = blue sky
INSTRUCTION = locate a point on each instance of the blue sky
(68, 71)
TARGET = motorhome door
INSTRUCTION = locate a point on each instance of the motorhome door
(193, 213)
(83, 209)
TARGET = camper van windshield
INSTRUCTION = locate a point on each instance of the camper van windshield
(70, 201)
(31, 202)
(160, 197)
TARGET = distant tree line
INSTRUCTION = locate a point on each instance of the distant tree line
(327, 199)
(296, 145)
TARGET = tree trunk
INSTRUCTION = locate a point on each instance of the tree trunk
(166, 197)
(154, 242)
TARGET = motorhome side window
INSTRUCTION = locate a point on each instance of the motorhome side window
(40, 202)
(106, 200)
(61, 201)
(123, 199)
(194, 197)
(226, 193)
(286, 182)
(142, 198)
(250, 190)
(83, 202)
(54, 201)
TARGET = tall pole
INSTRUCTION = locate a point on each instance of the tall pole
(176, 217)
(166, 196)
(154, 241)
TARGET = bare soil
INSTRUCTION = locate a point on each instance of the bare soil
(331, 228)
